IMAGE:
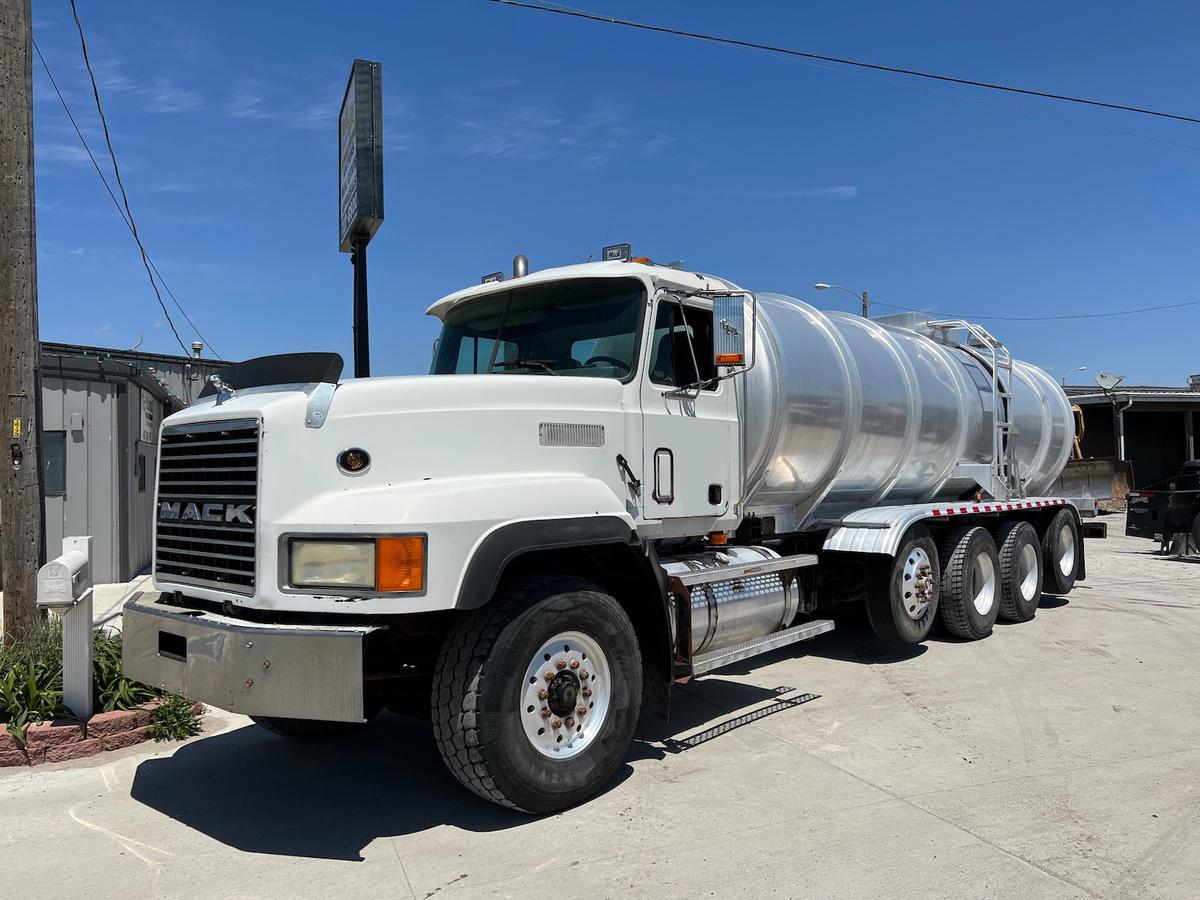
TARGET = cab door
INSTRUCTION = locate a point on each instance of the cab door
(689, 417)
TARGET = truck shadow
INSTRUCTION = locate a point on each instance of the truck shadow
(261, 793)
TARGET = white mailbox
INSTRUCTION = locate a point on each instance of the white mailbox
(63, 581)
(64, 585)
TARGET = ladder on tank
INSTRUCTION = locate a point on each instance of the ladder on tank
(995, 358)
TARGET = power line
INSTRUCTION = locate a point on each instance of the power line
(121, 184)
(804, 54)
(1103, 315)
(116, 203)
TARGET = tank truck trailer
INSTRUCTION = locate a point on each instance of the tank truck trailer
(617, 476)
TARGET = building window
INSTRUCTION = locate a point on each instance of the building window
(54, 462)
(141, 473)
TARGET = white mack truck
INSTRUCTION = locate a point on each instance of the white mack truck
(617, 476)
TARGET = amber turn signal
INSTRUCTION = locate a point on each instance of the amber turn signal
(400, 564)
(730, 359)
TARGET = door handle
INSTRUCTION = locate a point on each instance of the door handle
(664, 476)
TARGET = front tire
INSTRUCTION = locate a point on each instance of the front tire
(1061, 553)
(902, 592)
(970, 597)
(536, 696)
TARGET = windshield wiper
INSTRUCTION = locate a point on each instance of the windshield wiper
(525, 364)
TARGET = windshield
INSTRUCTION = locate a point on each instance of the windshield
(583, 327)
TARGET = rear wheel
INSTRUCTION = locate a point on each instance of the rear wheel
(902, 592)
(1060, 553)
(536, 695)
(1020, 571)
(970, 595)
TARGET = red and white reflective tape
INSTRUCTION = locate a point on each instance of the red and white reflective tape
(996, 507)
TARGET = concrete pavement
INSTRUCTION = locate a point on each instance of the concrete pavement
(1058, 758)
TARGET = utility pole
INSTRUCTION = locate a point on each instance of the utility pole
(21, 527)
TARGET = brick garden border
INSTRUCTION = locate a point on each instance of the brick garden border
(63, 739)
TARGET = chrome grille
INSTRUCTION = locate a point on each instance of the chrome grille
(207, 505)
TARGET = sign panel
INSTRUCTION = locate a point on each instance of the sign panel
(149, 418)
(360, 155)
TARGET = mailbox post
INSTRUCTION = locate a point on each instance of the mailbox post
(64, 585)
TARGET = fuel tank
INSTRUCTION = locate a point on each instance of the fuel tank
(843, 412)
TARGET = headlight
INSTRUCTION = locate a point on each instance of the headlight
(333, 564)
(384, 565)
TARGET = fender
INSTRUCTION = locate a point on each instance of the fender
(507, 542)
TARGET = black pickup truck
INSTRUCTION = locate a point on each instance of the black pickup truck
(1167, 508)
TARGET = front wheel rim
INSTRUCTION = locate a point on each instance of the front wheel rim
(566, 695)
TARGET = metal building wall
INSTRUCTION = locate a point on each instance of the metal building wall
(139, 444)
(88, 414)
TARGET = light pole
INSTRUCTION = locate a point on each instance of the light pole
(863, 296)
(1072, 372)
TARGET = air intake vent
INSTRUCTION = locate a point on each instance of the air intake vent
(568, 434)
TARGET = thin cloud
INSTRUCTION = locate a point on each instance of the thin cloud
(165, 97)
(832, 192)
(531, 132)
(71, 154)
(254, 102)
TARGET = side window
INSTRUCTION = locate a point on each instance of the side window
(682, 349)
(54, 462)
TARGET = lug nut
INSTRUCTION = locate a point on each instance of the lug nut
(570, 723)
(556, 723)
(549, 676)
(561, 664)
(584, 676)
(543, 694)
(587, 692)
(574, 664)
(545, 712)
(581, 710)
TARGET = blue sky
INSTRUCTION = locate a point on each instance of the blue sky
(509, 131)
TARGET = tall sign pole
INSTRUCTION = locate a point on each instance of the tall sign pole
(21, 530)
(360, 188)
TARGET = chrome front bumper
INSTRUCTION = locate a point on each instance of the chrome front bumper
(287, 671)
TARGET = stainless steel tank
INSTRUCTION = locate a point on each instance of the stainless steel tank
(843, 412)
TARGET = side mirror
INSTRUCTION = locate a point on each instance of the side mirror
(729, 330)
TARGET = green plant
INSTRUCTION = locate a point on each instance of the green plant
(112, 690)
(174, 720)
(31, 683)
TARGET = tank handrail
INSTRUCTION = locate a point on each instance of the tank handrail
(1004, 461)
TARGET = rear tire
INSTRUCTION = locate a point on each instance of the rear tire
(1060, 553)
(503, 740)
(304, 729)
(970, 596)
(902, 592)
(1020, 571)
